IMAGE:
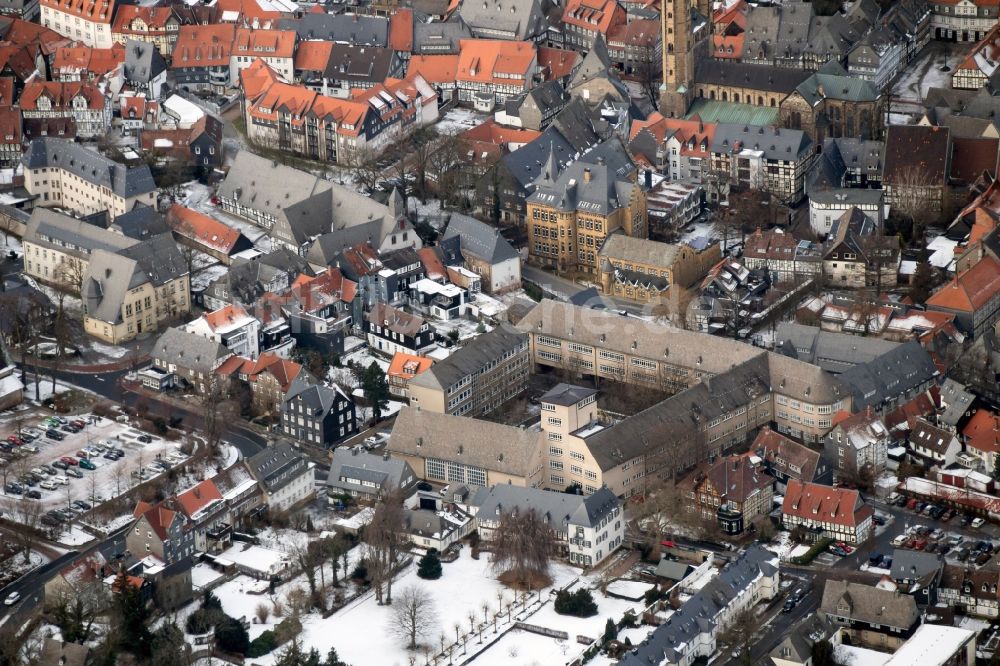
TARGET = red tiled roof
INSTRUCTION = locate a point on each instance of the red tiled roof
(435, 68)
(203, 46)
(408, 366)
(813, 501)
(971, 290)
(432, 264)
(194, 499)
(916, 152)
(982, 432)
(154, 18)
(490, 61)
(640, 32)
(10, 126)
(492, 132)
(401, 30)
(594, 15)
(971, 157)
(61, 94)
(313, 56)
(159, 517)
(557, 63)
(201, 228)
(88, 10)
(97, 62)
(229, 315)
(694, 135)
(264, 43)
(7, 97)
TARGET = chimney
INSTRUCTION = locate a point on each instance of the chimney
(586, 175)
(649, 179)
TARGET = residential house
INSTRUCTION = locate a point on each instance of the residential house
(339, 28)
(81, 101)
(438, 448)
(981, 435)
(534, 109)
(145, 69)
(160, 532)
(158, 26)
(250, 278)
(785, 459)
(972, 590)
(679, 149)
(857, 254)
(84, 63)
(206, 234)
(487, 253)
(973, 296)
(979, 64)
(486, 72)
(201, 56)
(847, 174)
(916, 167)
(891, 379)
(276, 48)
(207, 515)
(857, 444)
(188, 359)
(826, 512)
(870, 616)
(918, 574)
(285, 475)
(134, 290)
(230, 326)
(320, 309)
(963, 21)
(584, 20)
(199, 145)
(476, 379)
(67, 175)
(694, 629)
(80, 578)
(635, 48)
(89, 23)
(732, 492)
(785, 257)
(350, 66)
(368, 477)
(587, 529)
(765, 158)
(573, 209)
(402, 369)
(441, 527)
(317, 414)
(390, 330)
(269, 377)
(932, 445)
(643, 270)
(522, 20)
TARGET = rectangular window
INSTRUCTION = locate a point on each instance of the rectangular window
(555, 451)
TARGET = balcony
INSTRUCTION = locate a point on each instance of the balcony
(220, 532)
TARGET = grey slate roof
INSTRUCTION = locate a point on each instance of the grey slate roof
(188, 350)
(361, 465)
(439, 38)
(525, 19)
(596, 184)
(870, 604)
(89, 165)
(698, 613)
(559, 510)
(277, 466)
(892, 374)
(566, 395)
(912, 565)
(956, 400)
(86, 238)
(143, 61)
(832, 351)
(758, 77)
(315, 397)
(833, 82)
(480, 239)
(471, 358)
(140, 223)
(357, 63)
(841, 154)
(774, 143)
(343, 28)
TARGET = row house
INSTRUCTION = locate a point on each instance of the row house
(85, 63)
(932, 445)
(963, 20)
(87, 22)
(298, 120)
(973, 296)
(390, 330)
(206, 234)
(207, 515)
(185, 359)
(83, 102)
(201, 56)
(781, 254)
(826, 512)
(485, 72)
(65, 174)
(11, 137)
(160, 532)
(869, 615)
(402, 369)
(765, 158)
(230, 326)
(981, 436)
(317, 414)
(785, 459)
(878, 57)
(635, 47)
(158, 26)
(973, 590)
(284, 475)
(679, 149)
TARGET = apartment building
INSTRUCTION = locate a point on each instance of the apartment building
(642, 270)
(732, 492)
(87, 22)
(478, 378)
(766, 158)
(285, 475)
(823, 511)
(65, 174)
(586, 529)
(57, 247)
(857, 442)
(317, 414)
(574, 209)
(781, 254)
(274, 47)
(486, 72)
(160, 532)
(200, 58)
(856, 254)
(83, 102)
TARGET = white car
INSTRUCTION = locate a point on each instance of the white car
(12, 599)
(61, 480)
(47, 485)
(978, 522)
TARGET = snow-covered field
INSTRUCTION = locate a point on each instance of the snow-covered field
(928, 71)
(458, 120)
(74, 536)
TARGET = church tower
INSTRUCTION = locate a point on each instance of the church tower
(678, 46)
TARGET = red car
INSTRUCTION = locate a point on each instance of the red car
(912, 504)
(79, 424)
(845, 547)
(15, 440)
(82, 454)
(70, 460)
(919, 544)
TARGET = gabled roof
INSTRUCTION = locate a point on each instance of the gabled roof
(472, 358)
(159, 518)
(871, 605)
(785, 455)
(61, 95)
(100, 11)
(916, 152)
(480, 239)
(982, 432)
(408, 366)
(824, 504)
(203, 229)
(970, 290)
(89, 165)
(198, 497)
(203, 46)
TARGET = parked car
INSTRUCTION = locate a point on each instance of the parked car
(80, 504)
(61, 480)
(13, 488)
(898, 541)
(70, 460)
(86, 464)
(55, 434)
(111, 455)
(47, 485)
(70, 428)
(33, 494)
(79, 424)
(145, 439)
(878, 519)
(977, 522)
(15, 440)
(937, 534)
(788, 607)
(919, 544)
(12, 599)
(48, 521)
(74, 472)
(82, 454)
(59, 464)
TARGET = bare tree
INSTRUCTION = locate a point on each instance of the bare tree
(739, 635)
(522, 544)
(26, 513)
(914, 195)
(384, 541)
(363, 164)
(413, 615)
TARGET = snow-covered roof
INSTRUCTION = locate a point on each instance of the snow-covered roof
(186, 112)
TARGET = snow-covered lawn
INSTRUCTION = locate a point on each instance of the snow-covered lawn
(203, 575)
(782, 545)
(74, 536)
(458, 120)
(207, 276)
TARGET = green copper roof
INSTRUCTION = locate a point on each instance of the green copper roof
(716, 111)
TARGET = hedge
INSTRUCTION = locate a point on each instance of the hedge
(810, 555)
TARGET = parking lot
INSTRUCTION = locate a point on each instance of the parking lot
(59, 475)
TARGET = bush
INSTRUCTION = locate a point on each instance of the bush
(286, 630)
(610, 631)
(211, 601)
(360, 572)
(579, 603)
(202, 620)
(429, 567)
(231, 636)
(262, 645)
(810, 555)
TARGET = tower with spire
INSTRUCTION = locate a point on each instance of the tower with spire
(678, 53)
